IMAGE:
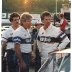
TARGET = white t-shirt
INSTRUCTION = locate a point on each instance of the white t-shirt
(23, 37)
(8, 36)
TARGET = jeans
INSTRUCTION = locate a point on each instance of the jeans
(12, 61)
(26, 58)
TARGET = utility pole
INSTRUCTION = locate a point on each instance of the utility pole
(56, 7)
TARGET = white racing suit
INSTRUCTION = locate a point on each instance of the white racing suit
(49, 40)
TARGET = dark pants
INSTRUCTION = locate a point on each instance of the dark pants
(12, 61)
(4, 65)
(26, 58)
(4, 60)
(37, 61)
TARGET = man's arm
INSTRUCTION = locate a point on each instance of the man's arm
(34, 46)
(4, 41)
(18, 52)
(19, 55)
(33, 54)
(64, 43)
(3, 47)
(17, 43)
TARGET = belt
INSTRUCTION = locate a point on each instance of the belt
(27, 53)
(10, 51)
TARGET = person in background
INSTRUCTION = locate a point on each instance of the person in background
(56, 19)
(63, 22)
(38, 24)
(8, 45)
(22, 40)
(50, 38)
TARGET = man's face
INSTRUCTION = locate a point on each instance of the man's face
(60, 17)
(47, 21)
(15, 21)
(27, 24)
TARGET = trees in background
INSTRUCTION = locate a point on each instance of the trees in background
(32, 6)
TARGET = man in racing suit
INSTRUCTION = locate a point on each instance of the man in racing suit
(50, 38)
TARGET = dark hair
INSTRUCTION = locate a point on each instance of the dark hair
(14, 14)
(45, 13)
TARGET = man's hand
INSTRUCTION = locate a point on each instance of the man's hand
(56, 50)
(53, 51)
(33, 56)
(22, 65)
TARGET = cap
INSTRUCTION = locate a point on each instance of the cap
(38, 22)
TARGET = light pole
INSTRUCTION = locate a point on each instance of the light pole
(56, 7)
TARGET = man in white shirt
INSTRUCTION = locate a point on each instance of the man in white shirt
(22, 40)
(8, 45)
(50, 38)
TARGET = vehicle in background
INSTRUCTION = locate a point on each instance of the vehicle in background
(3, 28)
